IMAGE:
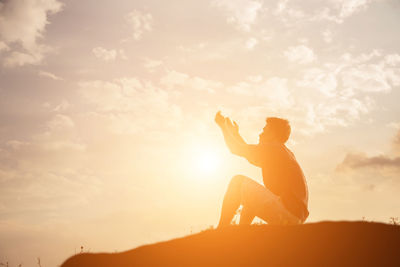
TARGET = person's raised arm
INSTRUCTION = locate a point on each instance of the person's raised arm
(233, 140)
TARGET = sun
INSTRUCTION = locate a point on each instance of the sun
(206, 161)
(202, 159)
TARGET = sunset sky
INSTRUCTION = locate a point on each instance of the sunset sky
(107, 133)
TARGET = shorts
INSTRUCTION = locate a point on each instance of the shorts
(265, 204)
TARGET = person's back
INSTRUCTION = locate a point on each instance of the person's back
(283, 176)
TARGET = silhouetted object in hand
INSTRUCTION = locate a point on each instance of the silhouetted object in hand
(284, 198)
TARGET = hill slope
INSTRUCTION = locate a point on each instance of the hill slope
(313, 244)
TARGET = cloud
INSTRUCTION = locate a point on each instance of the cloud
(285, 12)
(396, 142)
(300, 54)
(392, 60)
(273, 91)
(242, 13)
(151, 64)
(334, 112)
(50, 75)
(108, 55)
(327, 35)
(140, 23)
(177, 80)
(64, 105)
(59, 136)
(350, 7)
(354, 161)
(365, 73)
(60, 122)
(104, 54)
(56, 147)
(126, 105)
(339, 92)
(360, 160)
(336, 11)
(3, 47)
(321, 80)
(367, 78)
(339, 10)
(251, 43)
(105, 95)
(32, 57)
(22, 25)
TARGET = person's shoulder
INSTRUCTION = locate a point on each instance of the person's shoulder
(272, 147)
(290, 155)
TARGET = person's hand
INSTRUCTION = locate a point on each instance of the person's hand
(232, 127)
(219, 119)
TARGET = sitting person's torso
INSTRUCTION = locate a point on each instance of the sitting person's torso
(284, 177)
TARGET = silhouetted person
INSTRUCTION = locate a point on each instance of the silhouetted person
(284, 198)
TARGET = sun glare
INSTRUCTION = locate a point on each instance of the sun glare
(207, 161)
(203, 159)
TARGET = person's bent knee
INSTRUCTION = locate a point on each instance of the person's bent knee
(237, 180)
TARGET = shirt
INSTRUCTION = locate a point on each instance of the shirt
(282, 175)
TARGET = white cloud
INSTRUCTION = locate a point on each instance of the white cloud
(394, 125)
(274, 91)
(255, 78)
(285, 12)
(140, 23)
(338, 10)
(300, 54)
(327, 36)
(350, 75)
(281, 6)
(321, 80)
(350, 7)
(174, 78)
(57, 142)
(49, 75)
(336, 111)
(346, 86)
(242, 13)
(392, 59)
(125, 105)
(64, 105)
(105, 95)
(367, 78)
(251, 43)
(17, 58)
(104, 54)
(22, 24)
(178, 81)
(151, 64)
(60, 122)
(393, 76)
(122, 54)
(201, 84)
(108, 55)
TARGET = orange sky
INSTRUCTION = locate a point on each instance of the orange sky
(107, 138)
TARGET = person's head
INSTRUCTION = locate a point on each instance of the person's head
(276, 130)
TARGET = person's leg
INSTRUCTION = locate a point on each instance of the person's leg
(247, 215)
(258, 201)
(232, 200)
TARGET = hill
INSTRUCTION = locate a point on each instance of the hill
(311, 244)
